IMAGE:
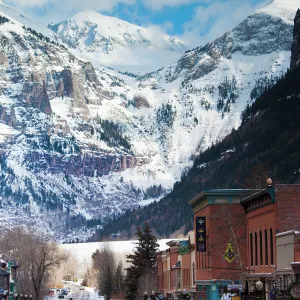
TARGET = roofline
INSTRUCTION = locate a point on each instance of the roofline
(287, 233)
(172, 243)
(219, 192)
(268, 191)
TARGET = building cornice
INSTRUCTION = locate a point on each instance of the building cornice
(206, 198)
(259, 199)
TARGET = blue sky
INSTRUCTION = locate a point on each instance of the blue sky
(196, 21)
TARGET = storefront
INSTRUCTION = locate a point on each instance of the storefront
(211, 289)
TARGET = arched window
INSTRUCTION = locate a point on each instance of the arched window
(271, 246)
(261, 248)
(266, 248)
(251, 249)
(256, 250)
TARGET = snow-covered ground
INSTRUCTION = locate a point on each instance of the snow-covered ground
(83, 251)
(64, 164)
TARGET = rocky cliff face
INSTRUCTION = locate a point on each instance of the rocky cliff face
(296, 43)
(81, 143)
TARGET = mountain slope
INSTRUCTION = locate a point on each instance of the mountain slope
(82, 144)
(266, 144)
(116, 42)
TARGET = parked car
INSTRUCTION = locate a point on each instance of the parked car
(65, 291)
(61, 296)
(81, 287)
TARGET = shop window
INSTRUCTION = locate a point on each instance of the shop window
(271, 247)
(266, 248)
(261, 248)
(256, 250)
(221, 292)
(251, 249)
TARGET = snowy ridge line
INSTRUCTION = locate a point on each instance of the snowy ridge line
(92, 143)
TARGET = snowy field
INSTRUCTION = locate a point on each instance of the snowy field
(83, 251)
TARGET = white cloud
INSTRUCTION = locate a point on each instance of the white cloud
(71, 4)
(160, 4)
(215, 19)
(24, 3)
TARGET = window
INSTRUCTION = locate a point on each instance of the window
(261, 248)
(194, 274)
(271, 246)
(256, 250)
(251, 249)
(178, 278)
(266, 248)
(221, 292)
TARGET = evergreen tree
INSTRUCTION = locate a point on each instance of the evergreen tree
(108, 282)
(142, 263)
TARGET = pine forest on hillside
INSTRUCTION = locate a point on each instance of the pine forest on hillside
(242, 160)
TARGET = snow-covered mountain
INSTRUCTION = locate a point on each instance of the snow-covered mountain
(117, 43)
(80, 143)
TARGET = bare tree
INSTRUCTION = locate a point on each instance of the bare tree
(119, 279)
(37, 259)
(46, 257)
(104, 261)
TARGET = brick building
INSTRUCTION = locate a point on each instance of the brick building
(269, 213)
(224, 258)
(249, 235)
(176, 268)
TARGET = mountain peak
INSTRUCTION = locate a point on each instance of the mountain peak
(108, 40)
(282, 9)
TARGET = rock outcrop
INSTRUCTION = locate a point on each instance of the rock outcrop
(295, 58)
(35, 94)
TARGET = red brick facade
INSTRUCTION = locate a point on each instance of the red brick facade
(225, 224)
(261, 250)
(287, 207)
(249, 220)
(269, 212)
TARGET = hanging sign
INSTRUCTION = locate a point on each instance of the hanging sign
(201, 234)
(229, 254)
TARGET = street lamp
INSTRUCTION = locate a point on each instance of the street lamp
(259, 285)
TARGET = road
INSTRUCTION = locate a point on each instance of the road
(77, 294)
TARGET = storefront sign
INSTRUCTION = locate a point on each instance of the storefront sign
(235, 287)
(295, 290)
(229, 254)
(201, 233)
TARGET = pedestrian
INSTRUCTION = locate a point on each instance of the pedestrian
(152, 295)
(145, 296)
(226, 295)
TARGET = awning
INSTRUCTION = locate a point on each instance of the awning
(177, 265)
(4, 273)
